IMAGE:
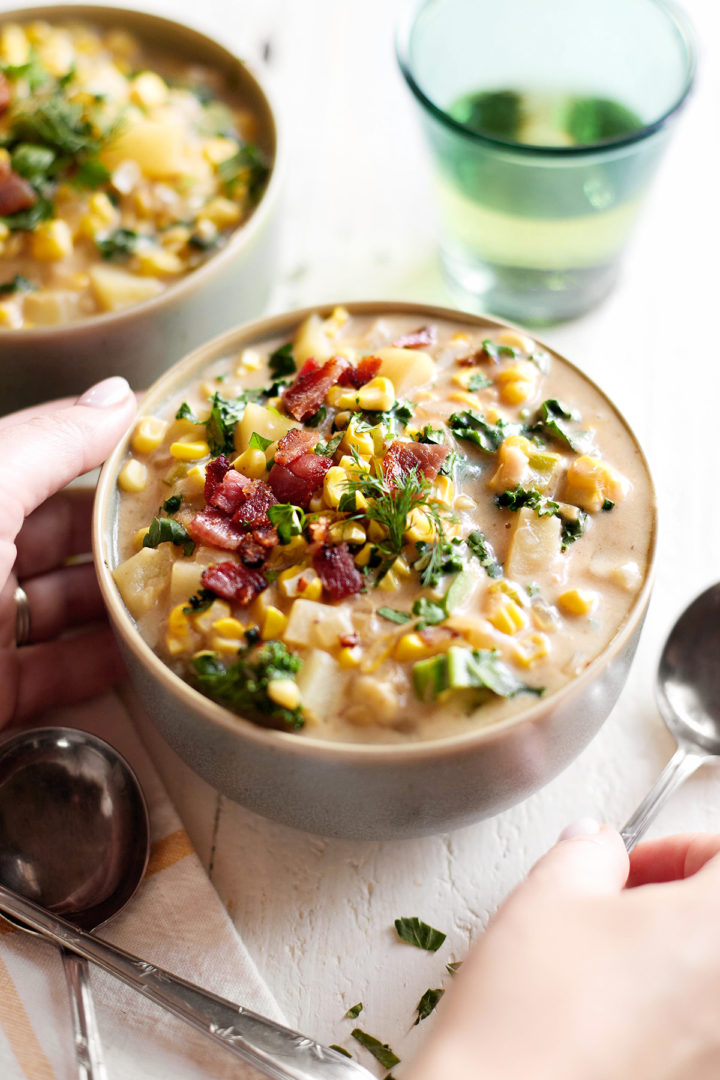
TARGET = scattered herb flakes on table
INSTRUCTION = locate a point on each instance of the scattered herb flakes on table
(414, 931)
(419, 531)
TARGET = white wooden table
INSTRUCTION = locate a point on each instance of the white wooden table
(317, 914)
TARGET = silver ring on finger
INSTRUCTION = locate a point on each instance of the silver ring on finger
(22, 617)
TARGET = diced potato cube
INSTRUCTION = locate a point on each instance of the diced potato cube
(252, 462)
(317, 625)
(185, 580)
(116, 289)
(142, 578)
(406, 368)
(158, 148)
(222, 212)
(534, 546)
(266, 422)
(148, 90)
(159, 261)
(311, 340)
(322, 684)
(50, 307)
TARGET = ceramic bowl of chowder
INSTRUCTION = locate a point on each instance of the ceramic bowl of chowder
(377, 570)
(138, 172)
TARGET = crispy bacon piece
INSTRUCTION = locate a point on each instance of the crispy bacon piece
(5, 93)
(296, 442)
(251, 552)
(295, 483)
(231, 493)
(319, 529)
(215, 528)
(266, 536)
(336, 569)
(15, 193)
(426, 335)
(307, 392)
(257, 498)
(402, 457)
(214, 472)
(234, 582)
(366, 370)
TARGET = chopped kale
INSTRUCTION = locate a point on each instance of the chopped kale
(413, 931)
(340, 1050)
(201, 601)
(244, 684)
(91, 174)
(473, 427)
(463, 669)
(289, 520)
(247, 168)
(392, 615)
(327, 449)
(259, 442)
(478, 381)
(120, 244)
(354, 1011)
(435, 558)
(426, 1004)
(16, 284)
(608, 504)
(573, 520)
(220, 426)
(186, 413)
(172, 504)
(317, 418)
(168, 530)
(483, 552)
(379, 1050)
(281, 362)
(555, 420)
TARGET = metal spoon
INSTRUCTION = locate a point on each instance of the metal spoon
(74, 836)
(688, 695)
(64, 841)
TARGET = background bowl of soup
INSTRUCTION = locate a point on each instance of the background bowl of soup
(377, 570)
(138, 185)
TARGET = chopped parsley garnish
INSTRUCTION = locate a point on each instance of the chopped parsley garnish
(16, 284)
(379, 1050)
(168, 531)
(495, 352)
(392, 615)
(201, 601)
(437, 557)
(41, 210)
(478, 381)
(259, 442)
(120, 244)
(340, 1050)
(429, 434)
(430, 612)
(32, 162)
(220, 426)
(243, 685)
(608, 504)
(413, 931)
(354, 1011)
(473, 427)
(483, 552)
(327, 449)
(173, 504)
(289, 520)
(281, 362)
(91, 174)
(186, 413)
(426, 1004)
(317, 418)
(400, 414)
(453, 967)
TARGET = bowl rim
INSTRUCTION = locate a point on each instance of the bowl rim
(448, 746)
(240, 238)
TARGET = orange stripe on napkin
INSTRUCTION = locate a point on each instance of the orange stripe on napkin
(19, 1032)
(168, 851)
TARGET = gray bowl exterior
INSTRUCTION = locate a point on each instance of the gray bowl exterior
(40, 363)
(348, 790)
(148, 339)
(379, 797)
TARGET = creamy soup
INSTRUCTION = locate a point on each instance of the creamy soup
(379, 531)
(120, 171)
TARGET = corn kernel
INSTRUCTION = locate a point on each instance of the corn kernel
(350, 656)
(175, 237)
(177, 645)
(310, 590)
(203, 620)
(100, 205)
(530, 649)
(516, 391)
(361, 441)
(149, 433)
(274, 624)
(158, 262)
(420, 526)
(443, 490)
(316, 503)
(51, 240)
(140, 536)
(178, 622)
(477, 632)
(249, 360)
(229, 628)
(189, 451)
(10, 316)
(346, 532)
(516, 341)
(194, 482)
(377, 532)
(148, 90)
(389, 582)
(335, 321)
(302, 581)
(505, 615)
(222, 212)
(252, 463)
(412, 647)
(133, 476)
(228, 646)
(465, 502)
(219, 149)
(377, 395)
(577, 601)
(334, 486)
(284, 692)
(465, 398)
(401, 568)
(14, 45)
(590, 482)
(363, 556)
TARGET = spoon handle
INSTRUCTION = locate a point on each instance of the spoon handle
(682, 764)
(88, 1049)
(275, 1050)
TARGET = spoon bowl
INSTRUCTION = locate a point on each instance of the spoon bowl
(74, 838)
(688, 696)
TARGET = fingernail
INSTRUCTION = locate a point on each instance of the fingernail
(105, 394)
(584, 826)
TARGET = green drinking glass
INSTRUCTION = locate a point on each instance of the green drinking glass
(546, 121)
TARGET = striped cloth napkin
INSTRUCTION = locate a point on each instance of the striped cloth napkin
(176, 920)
